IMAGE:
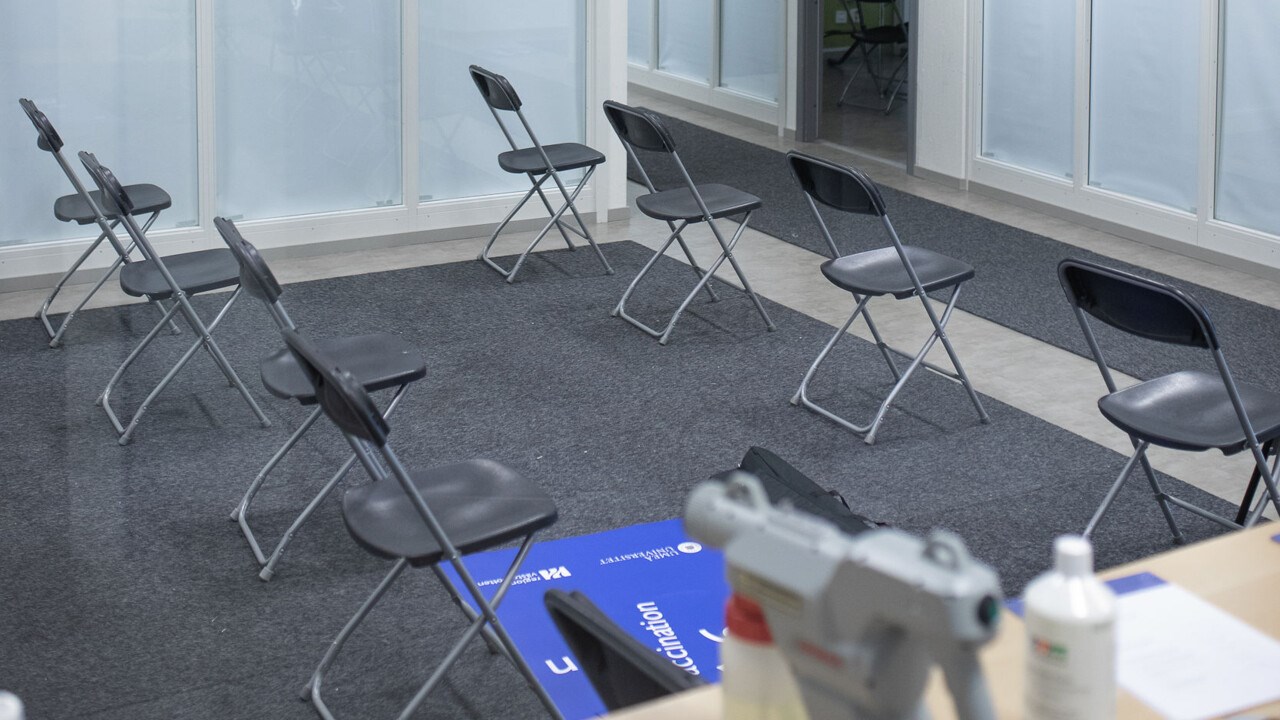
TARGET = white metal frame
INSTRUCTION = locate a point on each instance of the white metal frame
(1201, 229)
(713, 93)
(604, 61)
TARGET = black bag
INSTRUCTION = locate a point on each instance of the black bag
(783, 482)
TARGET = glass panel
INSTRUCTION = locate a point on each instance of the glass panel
(540, 47)
(1028, 84)
(684, 38)
(1144, 111)
(1249, 121)
(308, 106)
(639, 31)
(749, 47)
(116, 77)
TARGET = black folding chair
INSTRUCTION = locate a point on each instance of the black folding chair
(176, 277)
(621, 669)
(538, 162)
(642, 129)
(86, 207)
(1186, 410)
(901, 271)
(424, 518)
(867, 38)
(379, 361)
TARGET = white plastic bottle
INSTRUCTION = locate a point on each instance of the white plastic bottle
(10, 707)
(756, 681)
(1071, 647)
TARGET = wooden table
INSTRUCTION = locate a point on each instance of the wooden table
(1239, 573)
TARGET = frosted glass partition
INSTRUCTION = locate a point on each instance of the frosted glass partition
(1145, 106)
(540, 47)
(1249, 117)
(1028, 98)
(307, 98)
(684, 38)
(749, 35)
(640, 31)
(116, 77)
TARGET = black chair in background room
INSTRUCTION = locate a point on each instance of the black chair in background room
(897, 270)
(425, 518)
(1189, 410)
(623, 670)
(690, 203)
(177, 277)
(539, 162)
(874, 41)
(378, 361)
(85, 207)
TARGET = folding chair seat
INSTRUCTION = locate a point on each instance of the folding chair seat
(539, 162)
(898, 271)
(642, 129)
(177, 277)
(83, 208)
(1186, 410)
(425, 518)
(379, 361)
(623, 670)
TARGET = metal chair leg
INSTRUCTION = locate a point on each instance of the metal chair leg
(42, 314)
(241, 512)
(205, 340)
(312, 689)
(733, 261)
(1162, 498)
(493, 238)
(486, 619)
(1138, 454)
(868, 431)
(1242, 514)
(495, 647)
(704, 278)
(556, 222)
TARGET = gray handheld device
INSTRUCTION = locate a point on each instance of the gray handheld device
(861, 619)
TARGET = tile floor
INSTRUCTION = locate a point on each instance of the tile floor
(1025, 373)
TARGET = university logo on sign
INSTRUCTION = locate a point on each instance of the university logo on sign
(555, 573)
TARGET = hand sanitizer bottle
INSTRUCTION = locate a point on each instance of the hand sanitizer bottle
(10, 706)
(1071, 649)
(756, 681)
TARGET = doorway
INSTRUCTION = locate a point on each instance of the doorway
(861, 91)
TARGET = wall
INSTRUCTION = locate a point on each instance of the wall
(942, 117)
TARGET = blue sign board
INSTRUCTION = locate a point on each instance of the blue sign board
(653, 580)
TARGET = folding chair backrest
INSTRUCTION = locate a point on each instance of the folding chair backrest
(622, 670)
(1136, 305)
(48, 139)
(496, 89)
(639, 127)
(107, 182)
(836, 186)
(255, 276)
(342, 397)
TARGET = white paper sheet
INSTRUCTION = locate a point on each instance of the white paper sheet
(1187, 659)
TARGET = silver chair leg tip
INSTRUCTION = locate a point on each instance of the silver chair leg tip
(266, 575)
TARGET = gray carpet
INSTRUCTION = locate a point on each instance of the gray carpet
(126, 593)
(1016, 283)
